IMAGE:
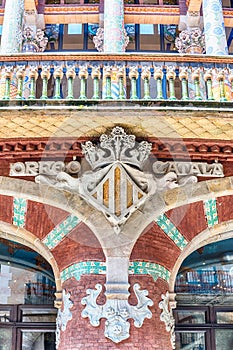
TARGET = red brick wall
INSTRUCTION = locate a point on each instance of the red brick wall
(156, 246)
(80, 334)
(71, 251)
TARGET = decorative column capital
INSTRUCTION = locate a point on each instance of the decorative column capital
(58, 72)
(191, 41)
(95, 73)
(133, 72)
(183, 74)
(34, 42)
(45, 73)
(146, 74)
(20, 73)
(83, 73)
(158, 73)
(70, 73)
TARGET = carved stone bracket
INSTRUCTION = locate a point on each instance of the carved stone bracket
(117, 312)
(167, 316)
(63, 316)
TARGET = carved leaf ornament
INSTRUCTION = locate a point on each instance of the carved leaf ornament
(117, 312)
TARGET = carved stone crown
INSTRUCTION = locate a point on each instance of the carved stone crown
(118, 146)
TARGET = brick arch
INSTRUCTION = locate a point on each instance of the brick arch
(192, 217)
(44, 210)
(24, 237)
(191, 199)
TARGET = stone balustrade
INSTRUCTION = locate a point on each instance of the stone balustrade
(111, 79)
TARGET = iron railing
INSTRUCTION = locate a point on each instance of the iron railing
(204, 282)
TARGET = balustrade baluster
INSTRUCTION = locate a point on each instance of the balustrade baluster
(120, 77)
(158, 75)
(7, 74)
(146, 75)
(70, 75)
(133, 76)
(208, 80)
(96, 75)
(196, 79)
(33, 75)
(108, 83)
(58, 75)
(45, 75)
(221, 80)
(171, 75)
(230, 77)
(20, 74)
(183, 76)
(83, 75)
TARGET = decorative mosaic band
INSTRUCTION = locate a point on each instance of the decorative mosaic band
(170, 229)
(55, 236)
(147, 268)
(19, 211)
(211, 213)
(99, 268)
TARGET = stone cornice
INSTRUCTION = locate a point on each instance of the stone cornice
(126, 57)
(51, 10)
(196, 149)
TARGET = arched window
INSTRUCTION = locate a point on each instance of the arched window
(27, 315)
(204, 286)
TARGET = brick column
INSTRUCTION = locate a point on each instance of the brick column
(215, 35)
(114, 26)
(12, 27)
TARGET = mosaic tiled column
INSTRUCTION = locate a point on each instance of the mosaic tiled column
(114, 26)
(12, 26)
(215, 35)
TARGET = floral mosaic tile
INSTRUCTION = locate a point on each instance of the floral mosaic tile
(55, 236)
(19, 211)
(211, 213)
(99, 268)
(170, 229)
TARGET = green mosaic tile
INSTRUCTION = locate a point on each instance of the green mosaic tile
(55, 236)
(211, 213)
(170, 229)
(99, 268)
(19, 211)
(146, 268)
(83, 268)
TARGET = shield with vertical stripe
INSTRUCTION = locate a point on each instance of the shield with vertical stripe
(117, 194)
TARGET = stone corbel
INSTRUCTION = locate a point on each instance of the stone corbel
(167, 304)
(117, 309)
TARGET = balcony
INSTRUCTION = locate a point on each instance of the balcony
(87, 78)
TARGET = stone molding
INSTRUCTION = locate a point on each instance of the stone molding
(72, 148)
(149, 57)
